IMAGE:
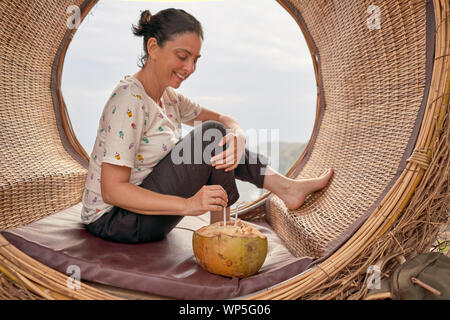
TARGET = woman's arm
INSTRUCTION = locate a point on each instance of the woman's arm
(118, 191)
(207, 114)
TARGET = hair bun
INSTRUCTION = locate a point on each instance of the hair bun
(145, 17)
(143, 23)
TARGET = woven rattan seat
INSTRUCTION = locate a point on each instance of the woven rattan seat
(382, 123)
(371, 121)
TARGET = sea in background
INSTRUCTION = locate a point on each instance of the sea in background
(282, 161)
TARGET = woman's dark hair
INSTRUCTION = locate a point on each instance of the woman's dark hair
(164, 26)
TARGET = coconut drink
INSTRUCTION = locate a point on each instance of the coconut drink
(234, 250)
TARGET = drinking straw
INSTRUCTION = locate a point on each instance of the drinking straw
(224, 216)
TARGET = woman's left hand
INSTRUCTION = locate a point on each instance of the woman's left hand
(229, 159)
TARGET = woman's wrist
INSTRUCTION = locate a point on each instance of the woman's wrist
(237, 130)
(185, 206)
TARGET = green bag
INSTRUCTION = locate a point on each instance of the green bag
(424, 277)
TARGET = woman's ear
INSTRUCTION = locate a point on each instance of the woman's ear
(152, 48)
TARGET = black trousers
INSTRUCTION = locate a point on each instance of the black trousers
(182, 172)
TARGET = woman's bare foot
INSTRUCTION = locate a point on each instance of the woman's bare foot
(297, 190)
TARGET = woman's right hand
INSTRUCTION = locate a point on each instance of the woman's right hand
(208, 198)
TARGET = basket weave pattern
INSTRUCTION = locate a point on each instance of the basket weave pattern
(373, 84)
(37, 174)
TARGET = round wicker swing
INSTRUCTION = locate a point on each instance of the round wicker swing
(382, 123)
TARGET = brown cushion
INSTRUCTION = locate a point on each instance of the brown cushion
(166, 268)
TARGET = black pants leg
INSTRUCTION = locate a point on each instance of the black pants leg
(183, 172)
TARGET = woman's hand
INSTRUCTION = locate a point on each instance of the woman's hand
(208, 198)
(229, 159)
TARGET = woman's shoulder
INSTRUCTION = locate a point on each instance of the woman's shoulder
(172, 96)
(127, 88)
(123, 91)
(130, 93)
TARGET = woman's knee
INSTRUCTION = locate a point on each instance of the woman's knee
(207, 137)
(208, 129)
(212, 125)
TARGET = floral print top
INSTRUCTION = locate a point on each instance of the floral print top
(134, 131)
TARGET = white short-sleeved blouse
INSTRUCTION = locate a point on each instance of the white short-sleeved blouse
(134, 131)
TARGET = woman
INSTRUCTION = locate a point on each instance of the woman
(137, 187)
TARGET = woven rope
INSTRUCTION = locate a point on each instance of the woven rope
(421, 157)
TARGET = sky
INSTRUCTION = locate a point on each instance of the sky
(255, 66)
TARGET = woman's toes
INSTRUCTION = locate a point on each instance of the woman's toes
(327, 175)
(296, 195)
(321, 182)
(328, 172)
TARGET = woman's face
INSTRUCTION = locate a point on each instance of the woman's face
(177, 59)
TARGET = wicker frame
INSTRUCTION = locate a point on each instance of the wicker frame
(405, 220)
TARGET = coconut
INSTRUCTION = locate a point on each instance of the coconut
(233, 251)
